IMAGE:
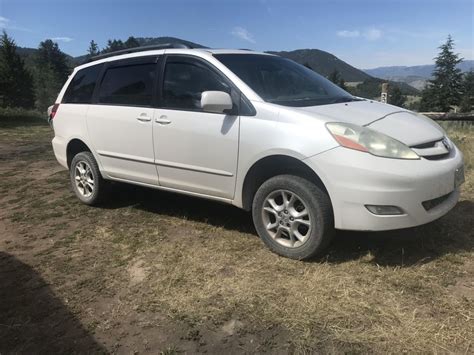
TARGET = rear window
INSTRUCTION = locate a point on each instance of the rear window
(128, 85)
(82, 86)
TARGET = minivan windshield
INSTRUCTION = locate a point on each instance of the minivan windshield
(283, 81)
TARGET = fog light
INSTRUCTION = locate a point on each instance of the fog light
(384, 210)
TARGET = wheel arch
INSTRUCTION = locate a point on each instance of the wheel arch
(273, 165)
(74, 147)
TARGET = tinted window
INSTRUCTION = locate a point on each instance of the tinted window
(82, 85)
(184, 82)
(283, 81)
(128, 85)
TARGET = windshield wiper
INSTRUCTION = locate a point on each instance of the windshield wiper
(342, 99)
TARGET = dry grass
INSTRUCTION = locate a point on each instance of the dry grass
(174, 270)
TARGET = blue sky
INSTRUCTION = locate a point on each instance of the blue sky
(364, 33)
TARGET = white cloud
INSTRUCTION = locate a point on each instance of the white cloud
(370, 34)
(62, 39)
(373, 34)
(243, 34)
(348, 34)
(4, 22)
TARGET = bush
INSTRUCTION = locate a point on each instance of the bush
(21, 114)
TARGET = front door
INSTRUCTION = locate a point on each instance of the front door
(120, 121)
(195, 151)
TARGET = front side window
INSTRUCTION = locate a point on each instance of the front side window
(185, 80)
(282, 81)
(82, 86)
(128, 85)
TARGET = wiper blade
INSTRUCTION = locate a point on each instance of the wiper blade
(342, 99)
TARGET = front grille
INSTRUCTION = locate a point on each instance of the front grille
(436, 157)
(434, 150)
(430, 204)
(425, 145)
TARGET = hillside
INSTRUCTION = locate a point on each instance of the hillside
(324, 63)
(423, 71)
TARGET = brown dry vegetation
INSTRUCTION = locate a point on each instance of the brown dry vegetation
(151, 271)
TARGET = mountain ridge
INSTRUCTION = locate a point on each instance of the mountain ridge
(425, 71)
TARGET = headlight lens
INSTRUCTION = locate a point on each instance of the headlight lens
(367, 140)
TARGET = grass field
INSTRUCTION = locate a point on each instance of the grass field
(156, 272)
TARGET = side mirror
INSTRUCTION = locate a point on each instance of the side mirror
(216, 101)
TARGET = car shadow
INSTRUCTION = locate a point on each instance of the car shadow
(33, 319)
(451, 234)
(177, 205)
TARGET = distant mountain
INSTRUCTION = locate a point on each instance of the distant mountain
(423, 71)
(417, 82)
(324, 63)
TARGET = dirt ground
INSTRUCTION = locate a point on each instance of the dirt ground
(153, 272)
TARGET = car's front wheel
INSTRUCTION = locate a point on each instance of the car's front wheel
(86, 180)
(293, 216)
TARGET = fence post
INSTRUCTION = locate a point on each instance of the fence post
(384, 96)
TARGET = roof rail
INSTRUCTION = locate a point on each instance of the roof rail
(139, 49)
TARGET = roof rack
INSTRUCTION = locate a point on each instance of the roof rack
(139, 49)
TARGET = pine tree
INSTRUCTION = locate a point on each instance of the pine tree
(16, 83)
(337, 79)
(93, 49)
(444, 91)
(113, 45)
(467, 101)
(51, 71)
(395, 97)
(131, 42)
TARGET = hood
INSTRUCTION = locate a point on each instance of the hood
(409, 128)
(405, 126)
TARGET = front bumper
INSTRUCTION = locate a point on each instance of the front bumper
(355, 179)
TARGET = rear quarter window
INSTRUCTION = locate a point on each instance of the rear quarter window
(82, 86)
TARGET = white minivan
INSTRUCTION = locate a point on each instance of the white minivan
(257, 131)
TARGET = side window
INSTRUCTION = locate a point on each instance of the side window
(185, 80)
(128, 85)
(82, 86)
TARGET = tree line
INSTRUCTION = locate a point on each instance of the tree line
(37, 85)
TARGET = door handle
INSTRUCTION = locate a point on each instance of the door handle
(143, 118)
(163, 120)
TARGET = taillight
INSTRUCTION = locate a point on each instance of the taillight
(53, 111)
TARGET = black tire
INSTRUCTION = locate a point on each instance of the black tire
(99, 184)
(320, 216)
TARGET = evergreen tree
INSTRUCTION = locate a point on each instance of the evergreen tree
(444, 91)
(337, 79)
(51, 71)
(49, 54)
(467, 101)
(16, 83)
(131, 42)
(395, 97)
(93, 49)
(113, 45)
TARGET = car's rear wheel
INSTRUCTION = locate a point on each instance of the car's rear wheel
(293, 216)
(86, 180)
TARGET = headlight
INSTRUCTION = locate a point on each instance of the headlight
(367, 140)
